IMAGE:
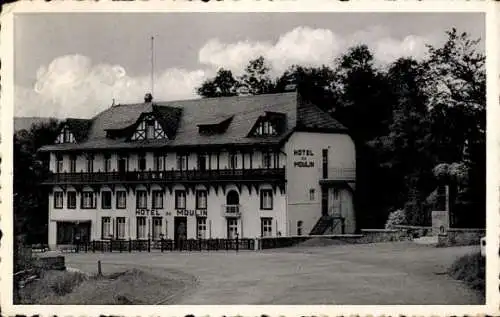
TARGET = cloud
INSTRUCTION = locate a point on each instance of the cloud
(74, 86)
(311, 47)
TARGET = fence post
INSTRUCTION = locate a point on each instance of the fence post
(111, 246)
(93, 246)
(161, 244)
(237, 244)
(227, 244)
(149, 244)
(199, 244)
(120, 245)
(129, 245)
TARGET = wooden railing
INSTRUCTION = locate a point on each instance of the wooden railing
(167, 176)
(165, 245)
(339, 173)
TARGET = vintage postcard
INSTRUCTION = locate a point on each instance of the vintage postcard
(288, 158)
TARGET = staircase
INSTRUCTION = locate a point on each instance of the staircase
(323, 224)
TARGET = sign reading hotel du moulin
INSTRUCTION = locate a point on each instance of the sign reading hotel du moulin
(306, 158)
(179, 212)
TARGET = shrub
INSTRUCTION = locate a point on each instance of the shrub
(63, 284)
(471, 269)
(397, 217)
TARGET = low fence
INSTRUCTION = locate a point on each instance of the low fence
(458, 237)
(165, 245)
(415, 231)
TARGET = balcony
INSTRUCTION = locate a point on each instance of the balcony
(339, 174)
(167, 176)
(231, 211)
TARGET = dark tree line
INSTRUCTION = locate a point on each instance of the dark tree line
(408, 121)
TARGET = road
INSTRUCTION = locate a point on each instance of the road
(371, 274)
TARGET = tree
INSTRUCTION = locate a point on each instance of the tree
(223, 85)
(256, 77)
(30, 169)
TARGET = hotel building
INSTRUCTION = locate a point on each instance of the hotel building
(246, 166)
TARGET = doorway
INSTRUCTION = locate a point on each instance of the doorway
(180, 232)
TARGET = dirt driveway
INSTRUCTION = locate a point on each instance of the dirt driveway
(372, 274)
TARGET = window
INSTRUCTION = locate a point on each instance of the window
(150, 130)
(88, 200)
(265, 128)
(336, 194)
(142, 162)
(65, 136)
(157, 199)
(120, 227)
(232, 228)
(266, 160)
(106, 228)
(107, 163)
(121, 199)
(159, 162)
(181, 162)
(233, 161)
(180, 199)
(59, 163)
(157, 228)
(201, 199)
(266, 227)
(71, 200)
(90, 163)
(266, 199)
(201, 227)
(72, 164)
(141, 199)
(202, 162)
(141, 227)
(106, 200)
(299, 227)
(122, 164)
(58, 200)
(312, 194)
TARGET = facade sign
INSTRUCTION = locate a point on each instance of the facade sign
(306, 158)
(147, 212)
(192, 213)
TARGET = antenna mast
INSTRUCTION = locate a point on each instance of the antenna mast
(152, 65)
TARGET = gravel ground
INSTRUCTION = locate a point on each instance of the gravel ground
(372, 274)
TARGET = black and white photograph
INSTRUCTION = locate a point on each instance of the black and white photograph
(248, 158)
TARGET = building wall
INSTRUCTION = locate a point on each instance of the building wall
(301, 179)
(249, 223)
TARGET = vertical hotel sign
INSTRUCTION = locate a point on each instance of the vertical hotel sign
(303, 158)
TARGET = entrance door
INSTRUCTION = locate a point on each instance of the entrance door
(180, 232)
(232, 228)
(82, 232)
(334, 202)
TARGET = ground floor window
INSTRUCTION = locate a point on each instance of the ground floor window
(299, 227)
(232, 228)
(266, 227)
(120, 227)
(201, 227)
(72, 232)
(106, 227)
(141, 227)
(157, 228)
(157, 199)
(58, 200)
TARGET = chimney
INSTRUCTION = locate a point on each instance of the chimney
(148, 98)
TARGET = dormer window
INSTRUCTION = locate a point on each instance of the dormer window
(149, 129)
(265, 128)
(65, 136)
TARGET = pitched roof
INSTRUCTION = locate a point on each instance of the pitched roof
(182, 118)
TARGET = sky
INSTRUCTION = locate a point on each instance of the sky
(75, 64)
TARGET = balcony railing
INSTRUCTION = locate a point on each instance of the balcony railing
(231, 211)
(166, 176)
(339, 173)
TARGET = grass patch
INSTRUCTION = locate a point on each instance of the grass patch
(471, 269)
(132, 287)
